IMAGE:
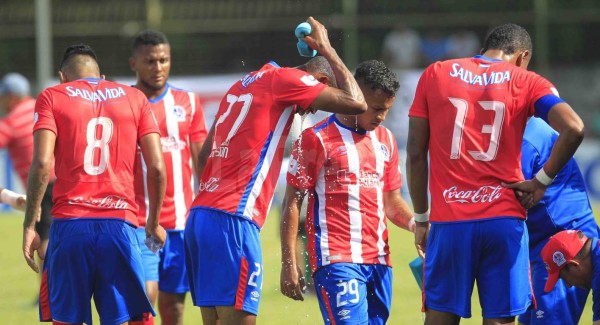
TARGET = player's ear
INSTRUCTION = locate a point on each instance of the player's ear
(132, 63)
(523, 59)
(62, 77)
(103, 76)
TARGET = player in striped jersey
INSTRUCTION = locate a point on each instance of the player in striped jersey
(242, 159)
(183, 130)
(349, 167)
(15, 135)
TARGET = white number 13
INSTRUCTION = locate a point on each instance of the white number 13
(494, 130)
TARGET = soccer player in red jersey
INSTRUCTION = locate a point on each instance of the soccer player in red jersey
(183, 130)
(15, 135)
(349, 167)
(469, 114)
(93, 128)
(241, 161)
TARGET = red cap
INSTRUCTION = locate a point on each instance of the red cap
(560, 249)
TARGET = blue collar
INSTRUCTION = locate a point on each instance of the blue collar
(338, 122)
(161, 96)
(485, 58)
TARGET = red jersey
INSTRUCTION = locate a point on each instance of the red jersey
(15, 135)
(477, 110)
(346, 173)
(250, 130)
(181, 121)
(98, 125)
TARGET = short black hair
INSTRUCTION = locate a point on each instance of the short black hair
(377, 75)
(77, 49)
(149, 37)
(509, 38)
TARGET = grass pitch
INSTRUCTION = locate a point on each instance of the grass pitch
(20, 284)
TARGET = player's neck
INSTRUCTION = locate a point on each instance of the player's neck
(497, 55)
(349, 121)
(151, 93)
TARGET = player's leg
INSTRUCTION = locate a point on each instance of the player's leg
(342, 290)
(562, 305)
(209, 315)
(503, 279)
(67, 279)
(379, 293)
(173, 283)
(120, 294)
(224, 271)
(150, 263)
(450, 266)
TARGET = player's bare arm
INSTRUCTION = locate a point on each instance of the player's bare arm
(398, 211)
(157, 183)
(348, 99)
(203, 154)
(571, 131)
(417, 168)
(195, 148)
(291, 279)
(14, 200)
(39, 174)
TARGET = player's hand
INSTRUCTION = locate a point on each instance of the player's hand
(292, 281)
(31, 243)
(20, 203)
(158, 232)
(318, 38)
(421, 233)
(529, 193)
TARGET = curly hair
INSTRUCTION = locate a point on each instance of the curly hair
(377, 75)
(149, 37)
(509, 38)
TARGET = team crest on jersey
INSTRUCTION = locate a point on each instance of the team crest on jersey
(558, 258)
(179, 113)
(385, 151)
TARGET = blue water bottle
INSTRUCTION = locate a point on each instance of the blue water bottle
(303, 30)
(416, 266)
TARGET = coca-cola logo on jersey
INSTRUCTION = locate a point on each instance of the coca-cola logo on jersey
(109, 202)
(484, 194)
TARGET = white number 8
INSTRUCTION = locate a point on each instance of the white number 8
(101, 145)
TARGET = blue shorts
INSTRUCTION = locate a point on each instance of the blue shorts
(351, 293)
(224, 260)
(493, 252)
(562, 305)
(93, 257)
(168, 267)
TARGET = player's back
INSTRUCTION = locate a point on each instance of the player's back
(565, 204)
(250, 130)
(477, 109)
(97, 124)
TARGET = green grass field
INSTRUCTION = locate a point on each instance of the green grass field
(20, 284)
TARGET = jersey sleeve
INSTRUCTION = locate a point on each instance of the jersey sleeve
(392, 179)
(419, 106)
(538, 88)
(295, 87)
(306, 160)
(530, 158)
(5, 133)
(148, 123)
(198, 132)
(44, 116)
